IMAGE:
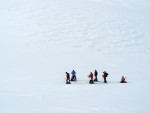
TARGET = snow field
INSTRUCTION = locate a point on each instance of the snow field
(41, 40)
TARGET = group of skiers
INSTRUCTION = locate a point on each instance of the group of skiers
(93, 77)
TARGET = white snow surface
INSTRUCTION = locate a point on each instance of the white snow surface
(42, 39)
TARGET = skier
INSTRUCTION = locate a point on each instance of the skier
(95, 74)
(73, 78)
(67, 78)
(91, 78)
(123, 80)
(105, 74)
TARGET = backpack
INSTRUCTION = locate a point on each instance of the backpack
(106, 74)
(68, 82)
(91, 82)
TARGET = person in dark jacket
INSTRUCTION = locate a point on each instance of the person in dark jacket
(105, 74)
(73, 78)
(67, 78)
(95, 74)
(91, 78)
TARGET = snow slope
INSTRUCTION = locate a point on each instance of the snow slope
(41, 40)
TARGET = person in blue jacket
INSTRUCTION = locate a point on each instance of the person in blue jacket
(73, 78)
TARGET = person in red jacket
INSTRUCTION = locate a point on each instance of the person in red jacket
(105, 74)
(67, 78)
(91, 78)
(123, 80)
